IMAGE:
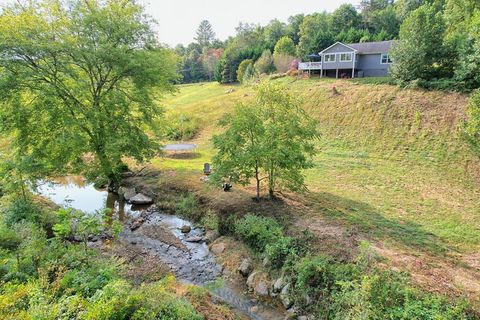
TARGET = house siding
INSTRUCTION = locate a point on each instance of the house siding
(337, 49)
(371, 65)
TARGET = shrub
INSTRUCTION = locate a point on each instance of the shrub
(264, 64)
(242, 68)
(280, 250)
(20, 209)
(187, 207)
(258, 231)
(210, 220)
(282, 62)
(181, 126)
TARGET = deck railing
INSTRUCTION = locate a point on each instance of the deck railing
(309, 65)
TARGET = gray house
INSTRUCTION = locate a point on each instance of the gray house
(367, 59)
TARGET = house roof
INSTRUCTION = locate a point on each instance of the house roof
(372, 47)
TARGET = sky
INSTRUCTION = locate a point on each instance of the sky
(178, 19)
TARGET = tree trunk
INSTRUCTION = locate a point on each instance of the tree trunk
(258, 183)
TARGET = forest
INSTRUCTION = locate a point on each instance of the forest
(438, 42)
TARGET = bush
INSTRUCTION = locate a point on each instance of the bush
(264, 64)
(187, 207)
(282, 62)
(181, 127)
(242, 68)
(280, 250)
(20, 209)
(258, 231)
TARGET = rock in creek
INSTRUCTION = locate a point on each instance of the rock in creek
(127, 193)
(245, 267)
(137, 223)
(194, 239)
(141, 199)
(251, 280)
(185, 228)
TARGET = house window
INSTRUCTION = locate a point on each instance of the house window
(329, 58)
(386, 58)
(345, 57)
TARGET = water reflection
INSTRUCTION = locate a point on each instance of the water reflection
(76, 192)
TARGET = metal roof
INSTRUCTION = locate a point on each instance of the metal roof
(372, 47)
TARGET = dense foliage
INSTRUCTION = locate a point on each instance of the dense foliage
(80, 83)
(342, 290)
(45, 275)
(271, 139)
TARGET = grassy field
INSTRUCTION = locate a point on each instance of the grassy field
(391, 166)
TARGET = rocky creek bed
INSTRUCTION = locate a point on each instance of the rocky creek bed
(175, 242)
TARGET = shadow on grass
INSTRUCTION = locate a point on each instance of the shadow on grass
(368, 219)
(183, 155)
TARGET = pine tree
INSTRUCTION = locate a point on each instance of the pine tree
(205, 34)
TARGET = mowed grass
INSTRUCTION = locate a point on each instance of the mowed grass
(391, 162)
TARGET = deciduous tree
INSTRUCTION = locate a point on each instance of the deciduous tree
(270, 138)
(80, 84)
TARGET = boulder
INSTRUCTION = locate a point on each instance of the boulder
(251, 280)
(211, 236)
(278, 285)
(194, 239)
(127, 193)
(218, 248)
(140, 199)
(285, 296)
(185, 229)
(261, 289)
(137, 223)
(266, 262)
(245, 267)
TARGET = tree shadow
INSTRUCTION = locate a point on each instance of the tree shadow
(183, 155)
(378, 226)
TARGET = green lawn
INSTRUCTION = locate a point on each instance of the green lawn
(390, 161)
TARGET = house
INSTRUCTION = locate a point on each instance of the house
(367, 59)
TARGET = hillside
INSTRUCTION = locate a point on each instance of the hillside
(392, 169)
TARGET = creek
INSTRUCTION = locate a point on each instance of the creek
(161, 236)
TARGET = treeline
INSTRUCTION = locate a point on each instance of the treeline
(438, 47)
(210, 59)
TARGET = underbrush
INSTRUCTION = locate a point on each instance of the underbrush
(329, 289)
(181, 127)
(375, 80)
(53, 277)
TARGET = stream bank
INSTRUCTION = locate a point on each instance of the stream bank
(151, 233)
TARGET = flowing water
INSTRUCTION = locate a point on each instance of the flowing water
(192, 262)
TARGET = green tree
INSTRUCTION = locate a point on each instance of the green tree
(467, 71)
(285, 46)
(315, 34)
(265, 63)
(274, 31)
(386, 21)
(80, 84)
(293, 28)
(242, 68)
(205, 35)
(472, 126)
(420, 53)
(271, 138)
(345, 17)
